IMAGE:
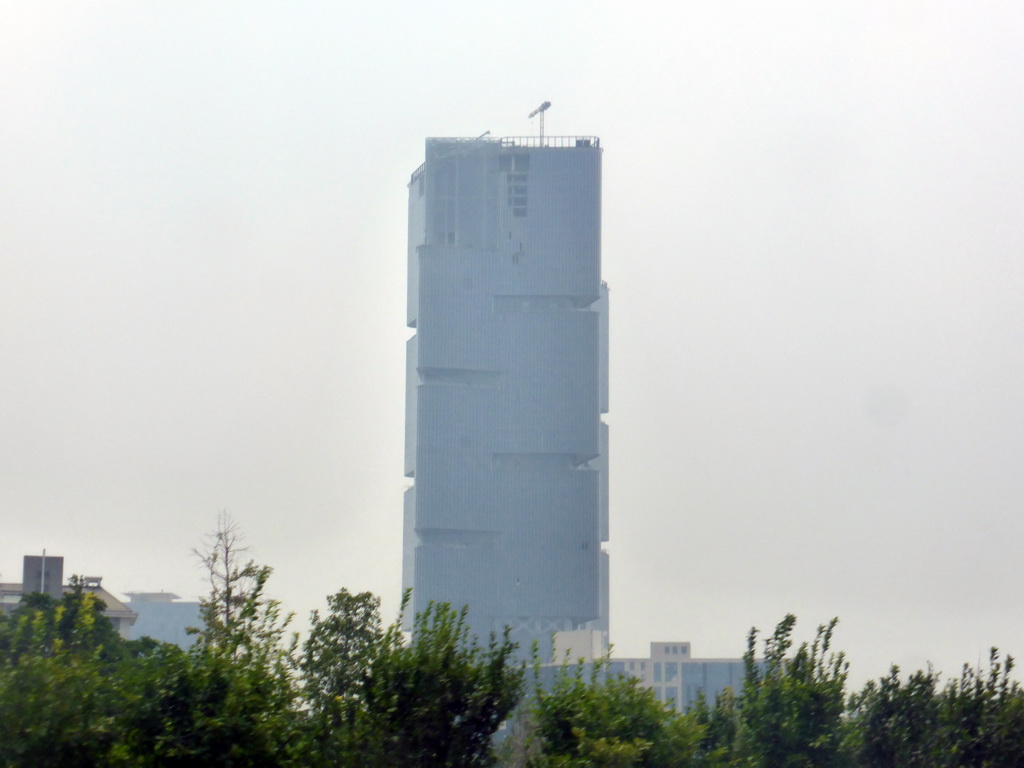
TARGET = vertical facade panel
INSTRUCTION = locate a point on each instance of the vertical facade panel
(412, 380)
(601, 464)
(417, 237)
(408, 538)
(601, 306)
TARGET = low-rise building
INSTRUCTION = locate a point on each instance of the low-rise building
(45, 574)
(671, 671)
(679, 679)
(165, 617)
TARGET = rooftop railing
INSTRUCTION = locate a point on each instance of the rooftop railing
(550, 141)
(527, 142)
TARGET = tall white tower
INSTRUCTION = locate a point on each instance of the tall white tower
(506, 383)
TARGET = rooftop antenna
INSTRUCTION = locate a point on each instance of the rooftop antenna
(540, 111)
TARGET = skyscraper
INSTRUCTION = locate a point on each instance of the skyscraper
(507, 379)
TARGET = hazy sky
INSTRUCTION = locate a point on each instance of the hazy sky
(813, 234)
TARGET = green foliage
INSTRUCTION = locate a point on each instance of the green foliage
(595, 719)
(56, 710)
(975, 721)
(439, 699)
(375, 699)
(339, 651)
(721, 725)
(230, 700)
(203, 707)
(982, 717)
(59, 691)
(896, 722)
(42, 625)
(792, 708)
(229, 609)
(73, 693)
(790, 711)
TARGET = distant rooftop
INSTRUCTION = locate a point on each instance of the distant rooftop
(527, 142)
(534, 142)
(152, 597)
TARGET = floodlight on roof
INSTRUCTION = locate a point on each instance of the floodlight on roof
(540, 111)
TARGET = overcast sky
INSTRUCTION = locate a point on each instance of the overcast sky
(813, 234)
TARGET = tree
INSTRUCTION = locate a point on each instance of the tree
(206, 707)
(790, 711)
(335, 666)
(437, 700)
(974, 721)
(232, 699)
(721, 724)
(981, 717)
(896, 723)
(233, 581)
(42, 624)
(60, 694)
(792, 708)
(596, 719)
(340, 649)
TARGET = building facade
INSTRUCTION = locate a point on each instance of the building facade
(45, 574)
(165, 617)
(679, 679)
(507, 379)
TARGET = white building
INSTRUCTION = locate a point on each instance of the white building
(165, 617)
(679, 679)
(670, 671)
(506, 382)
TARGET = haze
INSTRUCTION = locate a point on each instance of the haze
(812, 232)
